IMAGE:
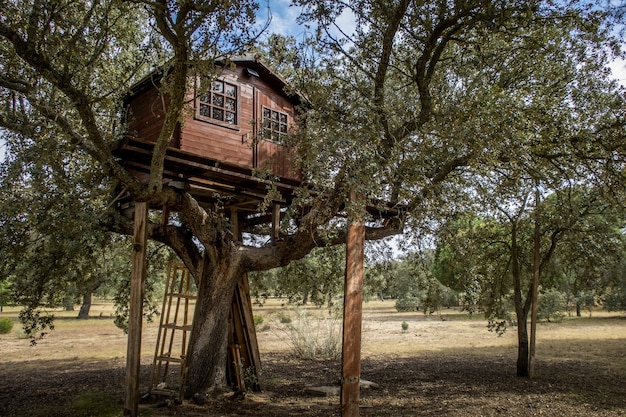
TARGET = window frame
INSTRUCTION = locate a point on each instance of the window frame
(275, 135)
(201, 103)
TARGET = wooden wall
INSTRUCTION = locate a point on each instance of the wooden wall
(238, 144)
(145, 114)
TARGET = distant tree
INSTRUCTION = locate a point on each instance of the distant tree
(551, 305)
(316, 278)
(615, 282)
(495, 254)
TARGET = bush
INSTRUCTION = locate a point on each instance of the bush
(258, 320)
(6, 325)
(550, 306)
(407, 303)
(405, 326)
(315, 338)
(284, 318)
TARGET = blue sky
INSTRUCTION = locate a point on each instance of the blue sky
(284, 16)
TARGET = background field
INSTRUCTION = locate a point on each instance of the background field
(442, 365)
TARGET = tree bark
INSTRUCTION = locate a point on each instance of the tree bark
(521, 307)
(207, 357)
(523, 352)
(83, 313)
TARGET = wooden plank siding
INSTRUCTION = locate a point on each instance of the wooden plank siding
(221, 142)
(238, 144)
(145, 114)
(271, 156)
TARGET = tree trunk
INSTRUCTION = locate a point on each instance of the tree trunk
(523, 351)
(207, 356)
(521, 309)
(85, 307)
(578, 309)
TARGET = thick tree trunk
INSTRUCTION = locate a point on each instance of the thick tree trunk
(521, 309)
(207, 356)
(523, 351)
(85, 307)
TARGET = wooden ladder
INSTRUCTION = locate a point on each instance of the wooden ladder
(244, 363)
(173, 335)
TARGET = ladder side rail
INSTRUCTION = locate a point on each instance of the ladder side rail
(156, 366)
(172, 328)
(183, 369)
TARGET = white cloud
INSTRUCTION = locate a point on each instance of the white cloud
(618, 70)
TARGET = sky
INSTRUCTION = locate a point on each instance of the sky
(618, 70)
(284, 21)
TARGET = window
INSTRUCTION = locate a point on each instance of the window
(219, 104)
(274, 125)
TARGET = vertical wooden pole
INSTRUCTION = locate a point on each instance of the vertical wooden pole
(275, 223)
(352, 318)
(234, 222)
(133, 353)
(535, 285)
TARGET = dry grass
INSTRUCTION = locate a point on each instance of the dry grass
(445, 354)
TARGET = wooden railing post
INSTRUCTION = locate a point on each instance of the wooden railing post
(135, 314)
(352, 317)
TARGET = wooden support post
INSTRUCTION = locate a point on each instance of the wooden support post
(352, 318)
(133, 354)
(275, 223)
(234, 224)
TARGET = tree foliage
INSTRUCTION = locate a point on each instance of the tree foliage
(425, 105)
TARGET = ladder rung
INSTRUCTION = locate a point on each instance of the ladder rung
(170, 359)
(176, 327)
(180, 295)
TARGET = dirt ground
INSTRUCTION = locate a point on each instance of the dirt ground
(442, 365)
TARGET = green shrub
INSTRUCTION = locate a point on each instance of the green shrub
(284, 318)
(6, 325)
(405, 326)
(407, 303)
(258, 320)
(94, 404)
(550, 306)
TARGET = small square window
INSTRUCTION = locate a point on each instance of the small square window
(274, 124)
(220, 103)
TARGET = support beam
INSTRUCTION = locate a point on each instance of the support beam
(275, 223)
(137, 285)
(235, 224)
(352, 318)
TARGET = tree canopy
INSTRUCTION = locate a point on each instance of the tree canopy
(424, 106)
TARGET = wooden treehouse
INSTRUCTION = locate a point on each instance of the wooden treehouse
(228, 144)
